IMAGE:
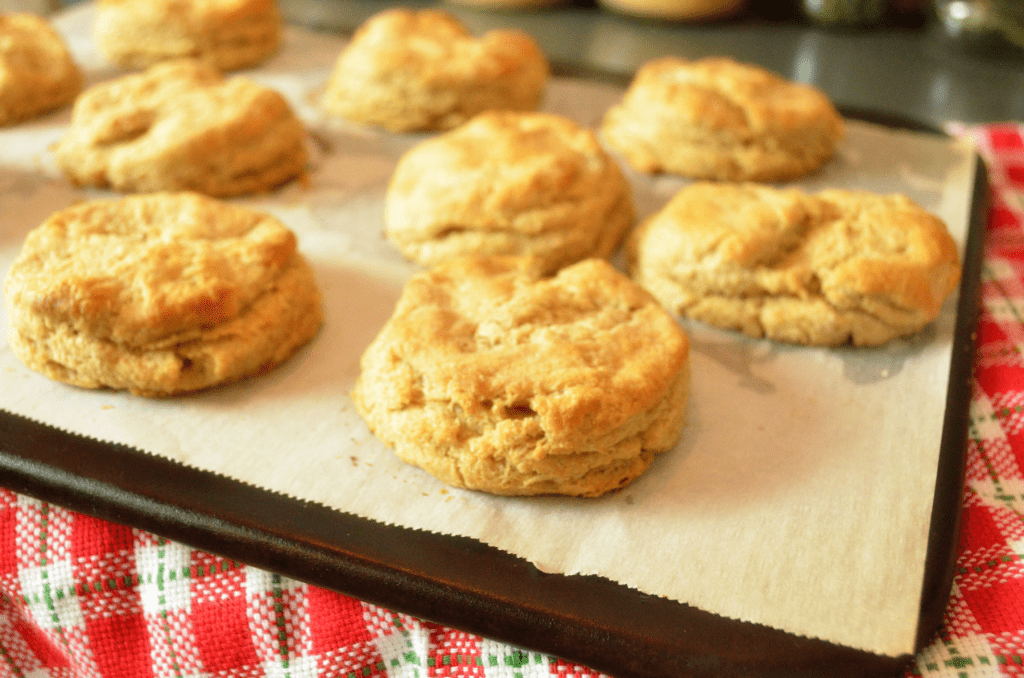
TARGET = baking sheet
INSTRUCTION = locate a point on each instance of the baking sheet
(800, 497)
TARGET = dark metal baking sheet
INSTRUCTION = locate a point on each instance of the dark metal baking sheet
(465, 584)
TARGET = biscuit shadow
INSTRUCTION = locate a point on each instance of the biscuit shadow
(651, 192)
(29, 198)
(861, 365)
(300, 51)
(51, 121)
(356, 304)
(337, 135)
(872, 365)
(737, 450)
(763, 419)
(582, 100)
(742, 358)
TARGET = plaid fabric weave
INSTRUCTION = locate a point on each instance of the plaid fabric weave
(983, 632)
(84, 598)
(81, 597)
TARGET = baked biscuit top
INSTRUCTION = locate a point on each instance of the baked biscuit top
(494, 377)
(29, 45)
(509, 183)
(504, 335)
(751, 239)
(502, 169)
(728, 97)
(182, 125)
(437, 47)
(146, 268)
(883, 247)
(716, 118)
(818, 268)
(37, 71)
(412, 70)
(228, 34)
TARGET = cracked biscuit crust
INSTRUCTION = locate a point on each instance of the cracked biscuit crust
(182, 126)
(421, 70)
(493, 377)
(719, 119)
(509, 183)
(159, 294)
(227, 34)
(37, 72)
(826, 269)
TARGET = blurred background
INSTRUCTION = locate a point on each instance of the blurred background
(930, 61)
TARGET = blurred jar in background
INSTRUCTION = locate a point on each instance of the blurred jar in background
(676, 10)
(41, 7)
(864, 13)
(845, 12)
(506, 4)
(982, 23)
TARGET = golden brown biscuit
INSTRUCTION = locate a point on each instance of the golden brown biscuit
(826, 269)
(509, 183)
(37, 72)
(493, 377)
(227, 34)
(408, 70)
(720, 119)
(180, 125)
(159, 294)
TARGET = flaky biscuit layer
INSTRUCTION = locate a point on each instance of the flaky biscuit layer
(37, 72)
(159, 294)
(509, 183)
(831, 268)
(421, 70)
(182, 126)
(717, 118)
(493, 377)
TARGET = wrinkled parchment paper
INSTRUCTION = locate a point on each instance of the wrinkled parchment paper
(799, 496)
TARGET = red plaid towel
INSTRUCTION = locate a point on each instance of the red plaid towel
(82, 597)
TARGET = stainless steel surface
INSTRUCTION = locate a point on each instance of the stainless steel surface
(918, 73)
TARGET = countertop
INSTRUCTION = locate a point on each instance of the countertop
(918, 72)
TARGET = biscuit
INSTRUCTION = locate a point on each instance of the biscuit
(831, 268)
(408, 70)
(493, 377)
(37, 72)
(182, 126)
(719, 119)
(509, 183)
(227, 34)
(159, 294)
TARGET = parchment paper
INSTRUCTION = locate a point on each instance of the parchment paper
(799, 496)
